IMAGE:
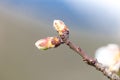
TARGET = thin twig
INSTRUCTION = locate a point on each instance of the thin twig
(91, 61)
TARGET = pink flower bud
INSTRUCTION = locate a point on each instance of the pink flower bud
(60, 26)
(49, 42)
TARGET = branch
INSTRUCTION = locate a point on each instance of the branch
(63, 32)
(92, 62)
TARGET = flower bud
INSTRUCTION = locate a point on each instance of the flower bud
(49, 42)
(60, 27)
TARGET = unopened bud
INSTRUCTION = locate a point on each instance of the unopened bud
(60, 27)
(49, 42)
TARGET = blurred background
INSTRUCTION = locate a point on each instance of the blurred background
(92, 23)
